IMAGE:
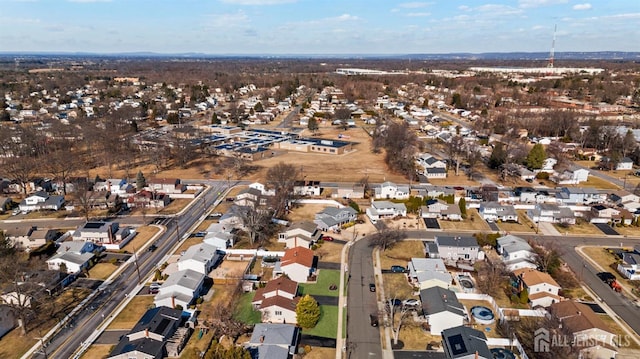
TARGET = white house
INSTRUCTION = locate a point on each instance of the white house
(625, 164)
(300, 234)
(307, 188)
(389, 190)
(333, 218)
(625, 199)
(453, 249)
(385, 209)
(630, 266)
(441, 309)
(551, 213)
(436, 208)
(495, 211)
(297, 263)
(165, 185)
(429, 272)
(181, 288)
(74, 255)
(516, 253)
(107, 234)
(278, 309)
(41, 201)
(548, 164)
(542, 289)
(200, 257)
(571, 177)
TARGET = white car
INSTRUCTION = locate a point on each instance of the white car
(411, 302)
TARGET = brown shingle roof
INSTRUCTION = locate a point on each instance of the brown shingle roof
(532, 277)
(283, 284)
(282, 302)
(298, 255)
(577, 316)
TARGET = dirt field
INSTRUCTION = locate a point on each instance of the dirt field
(305, 212)
(229, 270)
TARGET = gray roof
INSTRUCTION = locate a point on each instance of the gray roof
(187, 278)
(272, 334)
(631, 258)
(427, 264)
(387, 204)
(464, 341)
(511, 243)
(451, 241)
(436, 300)
(201, 253)
(335, 211)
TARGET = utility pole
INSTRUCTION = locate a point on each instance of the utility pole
(135, 260)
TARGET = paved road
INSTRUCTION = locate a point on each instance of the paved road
(66, 342)
(363, 340)
(624, 308)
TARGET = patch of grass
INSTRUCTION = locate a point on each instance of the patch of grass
(175, 206)
(328, 323)
(616, 329)
(628, 230)
(102, 270)
(330, 252)
(581, 227)
(414, 338)
(320, 353)
(597, 182)
(96, 351)
(14, 344)
(522, 226)
(188, 243)
(396, 284)
(401, 253)
(244, 310)
(144, 234)
(326, 277)
(132, 312)
(473, 223)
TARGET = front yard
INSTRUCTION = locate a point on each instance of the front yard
(581, 227)
(473, 223)
(326, 278)
(244, 311)
(328, 323)
(401, 253)
(132, 313)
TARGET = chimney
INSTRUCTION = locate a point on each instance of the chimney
(146, 332)
(444, 297)
(173, 302)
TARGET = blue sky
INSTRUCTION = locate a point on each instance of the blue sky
(318, 26)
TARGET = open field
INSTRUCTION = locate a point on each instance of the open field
(523, 226)
(175, 206)
(132, 312)
(472, 223)
(401, 253)
(145, 233)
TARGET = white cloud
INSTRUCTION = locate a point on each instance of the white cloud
(539, 3)
(418, 14)
(258, 2)
(343, 17)
(585, 6)
(464, 8)
(414, 5)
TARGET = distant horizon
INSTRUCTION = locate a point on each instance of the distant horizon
(305, 27)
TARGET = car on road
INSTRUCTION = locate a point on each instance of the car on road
(327, 238)
(373, 318)
(15, 212)
(398, 269)
(200, 234)
(411, 302)
(216, 215)
(372, 287)
(152, 248)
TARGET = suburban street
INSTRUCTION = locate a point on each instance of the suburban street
(363, 340)
(67, 341)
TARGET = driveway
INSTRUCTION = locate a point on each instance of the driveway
(494, 227)
(606, 229)
(328, 265)
(326, 299)
(315, 341)
(431, 223)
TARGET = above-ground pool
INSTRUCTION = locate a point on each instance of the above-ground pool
(465, 282)
(502, 353)
(482, 315)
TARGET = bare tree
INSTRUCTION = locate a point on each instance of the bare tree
(61, 167)
(455, 150)
(386, 237)
(491, 277)
(281, 178)
(547, 257)
(21, 169)
(257, 223)
(82, 197)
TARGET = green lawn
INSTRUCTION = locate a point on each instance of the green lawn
(244, 311)
(328, 323)
(326, 277)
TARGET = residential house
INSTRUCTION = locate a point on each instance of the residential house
(16, 299)
(441, 309)
(571, 177)
(427, 160)
(278, 308)
(298, 264)
(345, 190)
(581, 196)
(180, 289)
(102, 200)
(532, 195)
(74, 255)
(157, 334)
(165, 185)
(250, 197)
(548, 164)
(590, 334)
(116, 186)
(603, 214)
(541, 288)
(333, 218)
(30, 238)
(629, 267)
(201, 257)
(232, 218)
(148, 199)
(437, 208)
(390, 190)
(107, 234)
(625, 199)
(8, 320)
(281, 286)
(435, 173)
(384, 209)
(219, 237)
(273, 341)
(516, 253)
(300, 234)
(496, 211)
(459, 248)
(307, 188)
(465, 343)
(41, 201)
(429, 272)
(625, 164)
(551, 213)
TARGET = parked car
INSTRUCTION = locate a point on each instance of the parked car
(411, 302)
(373, 318)
(200, 234)
(372, 287)
(327, 238)
(216, 214)
(398, 269)
(152, 248)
